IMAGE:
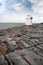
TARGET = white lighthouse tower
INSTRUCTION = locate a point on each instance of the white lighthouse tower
(28, 20)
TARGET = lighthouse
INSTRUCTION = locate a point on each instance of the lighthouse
(28, 20)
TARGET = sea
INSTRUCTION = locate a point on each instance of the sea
(9, 25)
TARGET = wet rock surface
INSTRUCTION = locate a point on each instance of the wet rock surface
(22, 45)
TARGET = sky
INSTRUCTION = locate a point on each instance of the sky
(17, 10)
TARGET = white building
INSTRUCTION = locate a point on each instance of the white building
(28, 20)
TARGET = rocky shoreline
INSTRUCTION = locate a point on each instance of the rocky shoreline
(22, 45)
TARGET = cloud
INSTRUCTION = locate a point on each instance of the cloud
(15, 6)
(37, 6)
(18, 7)
(15, 10)
(34, 1)
(37, 10)
(12, 18)
(1, 7)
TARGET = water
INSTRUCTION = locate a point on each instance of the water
(9, 25)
